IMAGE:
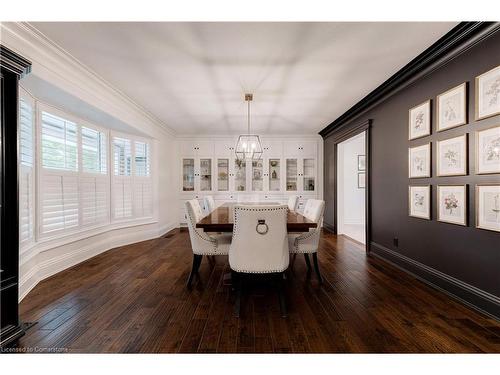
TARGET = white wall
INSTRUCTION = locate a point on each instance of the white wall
(70, 86)
(351, 199)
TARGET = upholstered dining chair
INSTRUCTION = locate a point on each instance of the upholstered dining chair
(293, 201)
(202, 243)
(307, 243)
(259, 246)
(209, 204)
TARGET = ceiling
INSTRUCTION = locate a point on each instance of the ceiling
(192, 76)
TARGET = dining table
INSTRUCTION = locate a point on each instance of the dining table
(221, 219)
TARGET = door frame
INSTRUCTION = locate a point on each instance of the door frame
(338, 137)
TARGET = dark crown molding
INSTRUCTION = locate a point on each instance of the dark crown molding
(13, 62)
(459, 39)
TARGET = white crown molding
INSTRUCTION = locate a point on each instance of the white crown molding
(55, 65)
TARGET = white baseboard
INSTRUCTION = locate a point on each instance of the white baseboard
(49, 262)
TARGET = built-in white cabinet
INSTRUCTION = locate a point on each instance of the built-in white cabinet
(209, 167)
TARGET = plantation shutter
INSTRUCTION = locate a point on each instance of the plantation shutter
(122, 180)
(94, 200)
(143, 198)
(26, 161)
(59, 203)
(59, 143)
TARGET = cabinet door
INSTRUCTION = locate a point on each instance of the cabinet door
(188, 174)
(308, 174)
(205, 148)
(308, 149)
(273, 174)
(257, 175)
(239, 175)
(222, 174)
(224, 147)
(187, 148)
(291, 148)
(272, 148)
(205, 174)
(291, 174)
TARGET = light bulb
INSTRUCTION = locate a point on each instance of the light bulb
(254, 145)
(244, 145)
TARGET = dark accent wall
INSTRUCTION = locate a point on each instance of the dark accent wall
(462, 261)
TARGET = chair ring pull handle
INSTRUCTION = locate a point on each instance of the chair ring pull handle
(262, 227)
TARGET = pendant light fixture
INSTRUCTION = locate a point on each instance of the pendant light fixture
(248, 146)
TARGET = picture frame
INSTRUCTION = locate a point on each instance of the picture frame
(362, 163)
(361, 180)
(488, 150)
(488, 207)
(487, 94)
(419, 161)
(452, 204)
(419, 120)
(452, 156)
(419, 201)
(451, 108)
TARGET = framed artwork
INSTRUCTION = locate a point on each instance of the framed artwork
(419, 121)
(488, 207)
(488, 94)
(452, 204)
(419, 161)
(361, 163)
(419, 201)
(452, 108)
(361, 180)
(488, 151)
(452, 156)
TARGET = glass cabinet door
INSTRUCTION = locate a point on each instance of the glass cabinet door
(309, 175)
(240, 178)
(257, 175)
(274, 175)
(291, 174)
(187, 174)
(222, 174)
(205, 174)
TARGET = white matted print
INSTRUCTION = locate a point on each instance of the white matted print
(488, 94)
(452, 156)
(488, 151)
(419, 123)
(488, 207)
(419, 161)
(419, 201)
(452, 204)
(452, 108)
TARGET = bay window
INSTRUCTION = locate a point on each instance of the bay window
(86, 178)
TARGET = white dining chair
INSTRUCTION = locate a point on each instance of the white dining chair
(307, 243)
(209, 204)
(202, 243)
(293, 201)
(259, 246)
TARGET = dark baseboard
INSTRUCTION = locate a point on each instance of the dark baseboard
(329, 227)
(471, 296)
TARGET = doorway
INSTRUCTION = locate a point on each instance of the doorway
(351, 189)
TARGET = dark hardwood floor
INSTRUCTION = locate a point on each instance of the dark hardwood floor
(134, 299)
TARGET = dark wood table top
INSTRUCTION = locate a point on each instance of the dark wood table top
(221, 219)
